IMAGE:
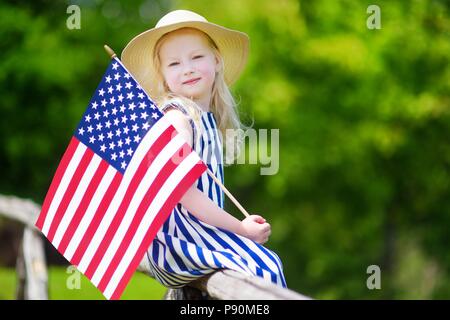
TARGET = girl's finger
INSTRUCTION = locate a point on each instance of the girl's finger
(259, 219)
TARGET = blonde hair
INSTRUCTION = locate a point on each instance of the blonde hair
(223, 104)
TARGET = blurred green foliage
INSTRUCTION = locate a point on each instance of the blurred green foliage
(364, 120)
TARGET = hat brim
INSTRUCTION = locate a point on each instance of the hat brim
(137, 55)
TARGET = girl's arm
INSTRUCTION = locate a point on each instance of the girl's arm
(254, 227)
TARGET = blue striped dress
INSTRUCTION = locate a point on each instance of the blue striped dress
(186, 248)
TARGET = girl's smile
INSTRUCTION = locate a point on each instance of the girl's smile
(192, 81)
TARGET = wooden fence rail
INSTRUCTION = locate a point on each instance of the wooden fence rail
(31, 267)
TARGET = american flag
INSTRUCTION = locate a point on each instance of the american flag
(125, 169)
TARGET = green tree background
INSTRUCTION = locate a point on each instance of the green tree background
(363, 115)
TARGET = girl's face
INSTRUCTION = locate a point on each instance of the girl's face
(188, 64)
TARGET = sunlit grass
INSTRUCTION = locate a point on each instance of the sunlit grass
(7, 284)
(140, 287)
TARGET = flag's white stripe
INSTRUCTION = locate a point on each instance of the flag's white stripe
(170, 184)
(76, 199)
(140, 153)
(155, 168)
(90, 212)
(59, 194)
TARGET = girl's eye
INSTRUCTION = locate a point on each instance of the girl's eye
(198, 57)
(173, 64)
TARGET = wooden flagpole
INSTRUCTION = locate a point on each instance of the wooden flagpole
(112, 54)
(110, 51)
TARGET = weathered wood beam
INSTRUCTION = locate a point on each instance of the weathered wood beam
(231, 285)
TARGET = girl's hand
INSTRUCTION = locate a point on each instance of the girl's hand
(256, 228)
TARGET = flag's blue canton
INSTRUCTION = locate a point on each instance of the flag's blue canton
(117, 118)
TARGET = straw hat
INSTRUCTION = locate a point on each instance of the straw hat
(138, 54)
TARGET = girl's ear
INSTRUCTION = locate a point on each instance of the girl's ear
(218, 63)
(166, 86)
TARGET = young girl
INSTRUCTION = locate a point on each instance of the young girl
(186, 64)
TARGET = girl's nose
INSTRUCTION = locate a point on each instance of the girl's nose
(188, 69)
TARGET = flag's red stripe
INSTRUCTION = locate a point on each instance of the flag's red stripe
(154, 150)
(152, 191)
(165, 211)
(98, 216)
(85, 201)
(68, 154)
(68, 195)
